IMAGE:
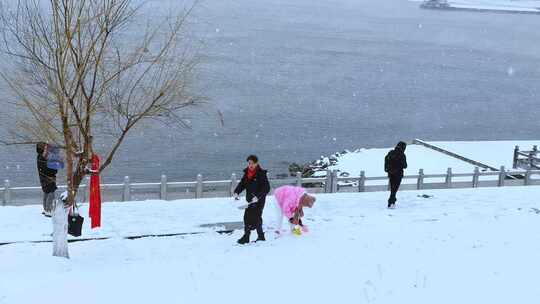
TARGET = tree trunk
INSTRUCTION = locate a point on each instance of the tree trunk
(60, 229)
(60, 214)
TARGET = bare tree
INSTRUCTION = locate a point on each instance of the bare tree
(89, 70)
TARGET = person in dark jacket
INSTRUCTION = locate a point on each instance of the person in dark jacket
(47, 178)
(255, 182)
(394, 164)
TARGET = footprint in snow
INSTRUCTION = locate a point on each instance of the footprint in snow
(369, 291)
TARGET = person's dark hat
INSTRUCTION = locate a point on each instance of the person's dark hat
(401, 146)
(40, 147)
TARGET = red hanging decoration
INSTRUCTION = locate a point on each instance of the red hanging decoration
(95, 194)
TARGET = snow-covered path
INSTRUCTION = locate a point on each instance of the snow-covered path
(461, 246)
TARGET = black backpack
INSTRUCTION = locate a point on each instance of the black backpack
(388, 159)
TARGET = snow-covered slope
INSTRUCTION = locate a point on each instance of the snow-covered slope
(461, 246)
(503, 5)
(495, 5)
(492, 153)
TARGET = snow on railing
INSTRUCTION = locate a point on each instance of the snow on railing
(526, 159)
(331, 183)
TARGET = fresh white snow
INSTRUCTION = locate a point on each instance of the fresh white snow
(492, 153)
(461, 246)
(506, 5)
(418, 157)
(502, 5)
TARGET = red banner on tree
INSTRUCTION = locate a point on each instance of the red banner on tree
(95, 194)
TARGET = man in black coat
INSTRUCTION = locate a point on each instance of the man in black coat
(47, 178)
(394, 164)
(255, 182)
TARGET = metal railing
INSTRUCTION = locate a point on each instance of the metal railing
(452, 154)
(526, 159)
(331, 183)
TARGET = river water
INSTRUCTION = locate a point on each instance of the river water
(298, 79)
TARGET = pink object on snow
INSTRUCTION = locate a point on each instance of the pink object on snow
(288, 199)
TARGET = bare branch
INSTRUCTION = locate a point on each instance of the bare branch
(86, 69)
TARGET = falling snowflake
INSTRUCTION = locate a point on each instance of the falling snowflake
(510, 71)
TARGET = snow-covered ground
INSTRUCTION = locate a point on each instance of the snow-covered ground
(418, 157)
(502, 5)
(461, 246)
(492, 153)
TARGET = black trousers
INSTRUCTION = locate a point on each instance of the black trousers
(395, 182)
(253, 217)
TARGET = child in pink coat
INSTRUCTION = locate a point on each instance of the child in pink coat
(289, 202)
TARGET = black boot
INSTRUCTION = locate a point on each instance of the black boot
(244, 239)
(260, 235)
(391, 202)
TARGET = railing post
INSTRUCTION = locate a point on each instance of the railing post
(526, 180)
(535, 151)
(7, 193)
(328, 183)
(530, 159)
(199, 189)
(127, 190)
(163, 188)
(420, 181)
(362, 182)
(476, 176)
(299, 179)
(516, 155)
(448, 179)
(334, 188)
(502, 176)
(234, 183)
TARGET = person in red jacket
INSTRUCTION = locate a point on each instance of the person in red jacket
(255, 182)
